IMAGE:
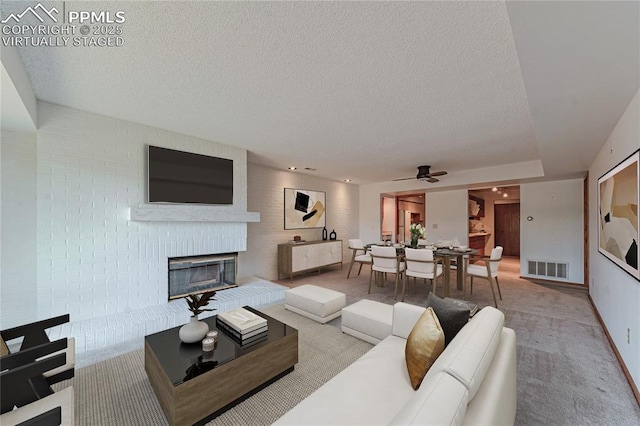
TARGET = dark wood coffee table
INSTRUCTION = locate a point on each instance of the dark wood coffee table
(193, 387)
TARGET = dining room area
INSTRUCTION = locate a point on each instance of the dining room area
(444, 265)
(442, 224)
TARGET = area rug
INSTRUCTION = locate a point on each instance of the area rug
(117, 391)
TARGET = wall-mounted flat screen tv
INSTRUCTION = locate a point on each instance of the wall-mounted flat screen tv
(185, 177)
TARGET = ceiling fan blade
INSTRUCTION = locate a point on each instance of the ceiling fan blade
(396, 180)
(442, 173)
(433, 180)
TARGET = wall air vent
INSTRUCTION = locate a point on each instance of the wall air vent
(554, 270)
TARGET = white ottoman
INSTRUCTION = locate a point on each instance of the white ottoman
(319, 304)
(368, 320)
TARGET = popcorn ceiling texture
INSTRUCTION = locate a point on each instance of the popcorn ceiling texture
(337, 78)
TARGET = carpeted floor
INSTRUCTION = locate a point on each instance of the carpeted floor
(117, 391)
(567, 372)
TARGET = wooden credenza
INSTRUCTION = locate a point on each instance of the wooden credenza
(296, 258)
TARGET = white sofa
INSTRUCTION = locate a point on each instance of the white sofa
(473, 382)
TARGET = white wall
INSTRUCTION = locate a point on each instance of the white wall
(447, 216)
(556, 232)
(19, 85)
(91, 260)
(266, 195)
(615, 293)
(18, 282)
(448, 210)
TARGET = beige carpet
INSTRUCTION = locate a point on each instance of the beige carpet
(117, 391)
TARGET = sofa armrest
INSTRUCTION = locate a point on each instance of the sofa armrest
(495, 402)
(405, 317)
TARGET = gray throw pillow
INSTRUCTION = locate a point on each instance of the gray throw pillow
(451, 316)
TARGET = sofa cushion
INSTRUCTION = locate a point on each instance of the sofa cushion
(370, 391)
(495, 402)
(440, 401)
(470, 354)
(452, 317)
(405, 317)
(424, 344)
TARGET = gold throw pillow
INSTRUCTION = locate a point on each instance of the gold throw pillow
(4, 350)
(424, 344)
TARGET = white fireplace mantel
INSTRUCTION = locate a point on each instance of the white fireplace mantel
(186, 213)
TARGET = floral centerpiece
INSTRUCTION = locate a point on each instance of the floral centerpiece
(417, 231)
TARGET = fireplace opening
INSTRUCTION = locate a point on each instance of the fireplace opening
(197, 274)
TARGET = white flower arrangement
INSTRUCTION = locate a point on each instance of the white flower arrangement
(417, 230)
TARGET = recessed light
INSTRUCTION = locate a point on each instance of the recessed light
(347, 180)
(292, 168)
(505, 195)
(494, 189)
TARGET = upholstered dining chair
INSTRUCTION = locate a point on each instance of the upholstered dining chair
(488, 271)
(421, 264)
(359, 254)
(386, 261)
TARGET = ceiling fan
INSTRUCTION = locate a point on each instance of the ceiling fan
(424, 173)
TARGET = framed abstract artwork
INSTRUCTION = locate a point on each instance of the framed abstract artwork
(304, 209)
(618, 225)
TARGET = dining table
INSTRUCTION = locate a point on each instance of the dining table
(446, 254)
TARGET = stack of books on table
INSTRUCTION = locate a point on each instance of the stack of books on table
(243, 326)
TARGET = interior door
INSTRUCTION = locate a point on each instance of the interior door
(507, 228)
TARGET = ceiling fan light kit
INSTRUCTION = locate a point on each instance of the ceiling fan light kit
(425, 174)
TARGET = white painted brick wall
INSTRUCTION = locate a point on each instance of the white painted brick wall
(266, 195)
(92, 261)
(18, 227)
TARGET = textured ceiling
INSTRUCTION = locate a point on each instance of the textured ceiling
(366, 91)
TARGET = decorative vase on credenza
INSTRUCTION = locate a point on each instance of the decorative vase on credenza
(333, 235)
(324, 234)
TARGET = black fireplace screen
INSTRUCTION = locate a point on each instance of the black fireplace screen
(197, 274)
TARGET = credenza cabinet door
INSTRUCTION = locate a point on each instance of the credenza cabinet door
(331, 253)
(293, 258)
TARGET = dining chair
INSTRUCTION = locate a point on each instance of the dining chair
(385, 260)
(488, 271)
(359, 254)
(420, 263)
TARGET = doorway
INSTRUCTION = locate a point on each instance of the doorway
(409, 209)
(387, 217)
(494, 219)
